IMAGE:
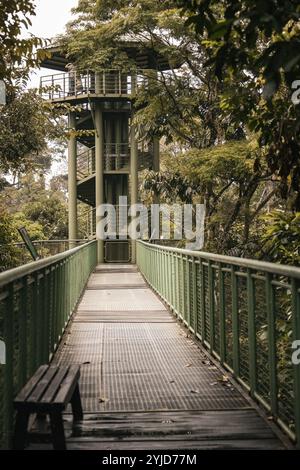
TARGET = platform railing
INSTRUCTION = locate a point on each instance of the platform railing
(116, 158)
(246, 312)
(36, 303)
(86, 163)
(110, 83)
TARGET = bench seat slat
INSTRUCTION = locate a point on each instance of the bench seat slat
(67, 387)
(42, 386)
(31, 384)
(55, 385)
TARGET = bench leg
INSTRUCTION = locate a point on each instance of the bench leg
(76, 405)
(57, 429)
(20, 433)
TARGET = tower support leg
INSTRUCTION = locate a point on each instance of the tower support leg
(99, 166)
(72, 182)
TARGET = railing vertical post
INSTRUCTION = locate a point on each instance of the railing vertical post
(23, 332)
(35, 324)
(211, 297)
(104, 83)
(177, 284)
(182, 287)
(202, 284)
(42, 318)
(168, 275)
(251, 332)
(52, 90)
(271, 319)
(222, 316)
(47, 307)
(235, 324)
(188, 294)
(8, 330)
(195, 309)
(296, 367)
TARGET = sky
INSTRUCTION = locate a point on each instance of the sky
(50, 20)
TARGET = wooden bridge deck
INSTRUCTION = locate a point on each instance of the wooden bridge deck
(145, 383)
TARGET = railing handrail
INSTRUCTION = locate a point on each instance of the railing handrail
(16, 273)
(103, 70)
(273, 268)
(63, 240)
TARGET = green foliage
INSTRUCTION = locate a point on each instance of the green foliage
(169, 186)
(27, 124)
(17, 54)
(43, 212)
(50, 211)
(24, 129)
(261, 35)
(34, 229)
(254, 49)
(281, 236)
(8, 253)
(235, 185)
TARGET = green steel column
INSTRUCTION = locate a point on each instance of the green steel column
(99, 144)
(156, 141)
(118, 142)
(133, 173)
(72, 180)
(109, 164)
(156, 154)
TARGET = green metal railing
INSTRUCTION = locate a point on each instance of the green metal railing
(246, 312)
(36, 302)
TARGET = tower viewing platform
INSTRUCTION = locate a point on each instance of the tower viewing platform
(79, 86)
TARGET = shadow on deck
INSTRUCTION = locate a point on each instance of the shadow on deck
(145, 383)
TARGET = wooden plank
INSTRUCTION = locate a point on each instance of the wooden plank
(253, 444)
(68, 386)
(97, 445)
(55, 385)
(237, 424)
(43, 384)
(31, 384)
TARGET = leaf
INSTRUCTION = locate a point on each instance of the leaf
(103, 400)
(223, 379)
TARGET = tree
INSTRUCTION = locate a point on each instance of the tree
(17, 53)
(27, 125)
(27, 122)
(8, 253)
(233, 182)
(255, 46)
(51, 213)
(183, 103)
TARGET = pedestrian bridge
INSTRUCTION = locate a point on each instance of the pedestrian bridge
(185, 350)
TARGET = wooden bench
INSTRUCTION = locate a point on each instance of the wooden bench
(48, 392)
